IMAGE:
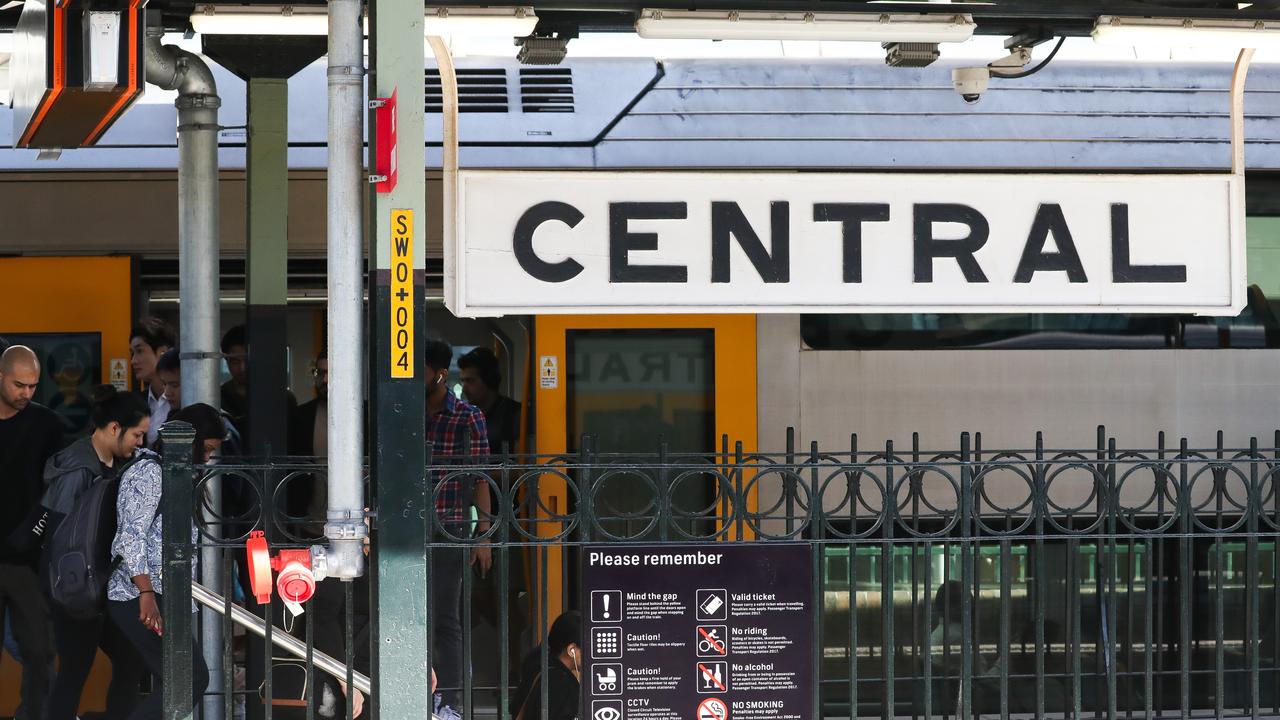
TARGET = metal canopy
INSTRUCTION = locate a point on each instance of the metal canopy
(994, 17)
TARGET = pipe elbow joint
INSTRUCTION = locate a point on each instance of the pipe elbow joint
(342, 558)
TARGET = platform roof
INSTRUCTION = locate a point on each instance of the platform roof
(994, 17)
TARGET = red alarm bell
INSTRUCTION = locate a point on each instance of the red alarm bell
(296, 582)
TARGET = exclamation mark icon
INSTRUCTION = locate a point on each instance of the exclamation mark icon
(605, 597)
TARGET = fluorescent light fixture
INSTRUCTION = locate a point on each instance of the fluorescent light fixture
(510, 22)
(1185, 32)
(314, 20)
(744, 25)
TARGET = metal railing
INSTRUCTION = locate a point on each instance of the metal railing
(1038, 582)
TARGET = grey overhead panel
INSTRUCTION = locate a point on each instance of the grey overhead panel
(818, 114)
(838, 114)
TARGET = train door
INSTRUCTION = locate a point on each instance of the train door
(630, 383)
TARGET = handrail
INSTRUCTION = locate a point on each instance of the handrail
(284, 641)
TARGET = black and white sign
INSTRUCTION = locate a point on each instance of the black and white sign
(587, 242)
(707, 630)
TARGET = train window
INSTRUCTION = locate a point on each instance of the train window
(1255, 327)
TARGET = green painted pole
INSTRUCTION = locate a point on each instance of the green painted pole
(398, 395)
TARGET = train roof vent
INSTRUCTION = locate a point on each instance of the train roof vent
(480, 90)
(546, 89)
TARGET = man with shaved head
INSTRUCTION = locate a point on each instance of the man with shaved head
(29, 434)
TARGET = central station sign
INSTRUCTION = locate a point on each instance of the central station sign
(599, 242)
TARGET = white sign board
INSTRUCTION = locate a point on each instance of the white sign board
(657, 242)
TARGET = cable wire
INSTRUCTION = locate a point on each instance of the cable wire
(1034, 70)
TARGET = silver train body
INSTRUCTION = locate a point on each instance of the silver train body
(802, 115)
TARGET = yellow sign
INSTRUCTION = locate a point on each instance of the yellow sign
(402, 293)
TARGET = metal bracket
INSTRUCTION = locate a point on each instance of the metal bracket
(200, 356)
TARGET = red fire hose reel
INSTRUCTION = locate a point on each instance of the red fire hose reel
(296, 581)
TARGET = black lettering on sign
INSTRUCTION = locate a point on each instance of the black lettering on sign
(1123, 271)
(614, 369)
(851, 216)
(402, 240)
(522, 241)
(727, 220)
(622, 241)
(403, 361)
(928, 247)
(1050, 221)
(657, 366)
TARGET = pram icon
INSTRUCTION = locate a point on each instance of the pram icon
(607, 682)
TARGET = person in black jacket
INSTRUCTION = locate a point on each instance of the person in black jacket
(564, 673)
(29, 434)
(120, 422)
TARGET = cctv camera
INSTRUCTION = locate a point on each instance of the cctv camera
(970, 82)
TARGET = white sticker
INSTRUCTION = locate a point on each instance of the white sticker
(120, 373)
(548, 372)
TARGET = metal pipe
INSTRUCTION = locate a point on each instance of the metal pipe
(345, 526)
(449, 151)
(173, 68)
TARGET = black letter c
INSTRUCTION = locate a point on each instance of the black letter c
(522, 241)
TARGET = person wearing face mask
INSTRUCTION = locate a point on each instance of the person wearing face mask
(120, 422)
(563, 676)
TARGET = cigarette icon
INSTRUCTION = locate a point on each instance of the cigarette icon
(712, 604)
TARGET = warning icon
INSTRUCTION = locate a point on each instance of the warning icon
(713, 709)
(713, 676)
(548, 372)
(712, 641)
(606, 710)
(712, 604)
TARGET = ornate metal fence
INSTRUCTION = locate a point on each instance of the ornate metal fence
(1105, 582)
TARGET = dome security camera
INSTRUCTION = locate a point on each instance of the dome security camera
(970, 82)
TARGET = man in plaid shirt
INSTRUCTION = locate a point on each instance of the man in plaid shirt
(457, 435)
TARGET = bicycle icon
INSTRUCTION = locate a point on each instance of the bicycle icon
(712, 641)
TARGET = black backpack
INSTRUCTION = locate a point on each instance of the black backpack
(79, 551)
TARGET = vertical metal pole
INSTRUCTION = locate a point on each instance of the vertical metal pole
(345, 526)
(398, 451)
(967, 580)
(198, 256)
(176, 439)
(888, 642)
(1040, 507)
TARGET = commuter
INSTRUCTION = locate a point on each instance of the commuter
(135, 591)
(151, 338)
(455, 432)
(235, 392)
(169, 374)
(120, 422)
(481, 378)
(169, 370)
(564, 674)
(29, 435)
(309, 437)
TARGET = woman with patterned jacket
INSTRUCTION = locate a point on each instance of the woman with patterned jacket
(136, 589)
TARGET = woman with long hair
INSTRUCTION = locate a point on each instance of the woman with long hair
(135, 591)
